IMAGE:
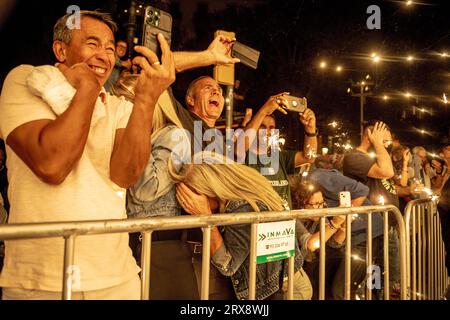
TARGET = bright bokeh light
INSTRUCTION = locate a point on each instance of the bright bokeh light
(338, 68)
(375, 57)
(385, 97)
(410, 58)
(323, 65)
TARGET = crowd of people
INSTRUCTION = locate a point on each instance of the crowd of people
(97, 137)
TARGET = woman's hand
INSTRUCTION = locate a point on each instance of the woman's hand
(192, 202)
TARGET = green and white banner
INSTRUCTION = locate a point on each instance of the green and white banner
(276, 241)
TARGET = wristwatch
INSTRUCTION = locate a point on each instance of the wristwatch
(312, 134)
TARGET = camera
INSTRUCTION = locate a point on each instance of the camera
(294, 104)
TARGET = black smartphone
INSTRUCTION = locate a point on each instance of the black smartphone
(156, 21)
(247, 55)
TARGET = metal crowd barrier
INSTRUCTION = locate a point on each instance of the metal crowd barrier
(427, 274)
(71, 230)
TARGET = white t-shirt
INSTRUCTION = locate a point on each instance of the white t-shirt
(86, 194)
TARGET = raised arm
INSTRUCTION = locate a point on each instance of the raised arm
(382, 168)
(217, 53)
(308, 119)
(132, 145)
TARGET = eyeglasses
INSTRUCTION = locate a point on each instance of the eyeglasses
(317, 205)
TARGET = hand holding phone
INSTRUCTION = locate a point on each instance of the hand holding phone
(156, 21)
(292, 103)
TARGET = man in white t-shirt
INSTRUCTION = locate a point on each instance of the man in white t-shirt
(74, 163)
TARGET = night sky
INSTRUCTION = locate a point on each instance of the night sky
(294, 37)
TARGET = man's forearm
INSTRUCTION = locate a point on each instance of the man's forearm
(384, 160)
(309, 147)
(254, 125)
(52, 149)
(189, 60)
(132, 146)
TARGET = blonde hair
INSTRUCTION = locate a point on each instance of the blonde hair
(164, 113)
(219, 177)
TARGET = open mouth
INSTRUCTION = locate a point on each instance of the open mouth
(99, 70)
(214, 103)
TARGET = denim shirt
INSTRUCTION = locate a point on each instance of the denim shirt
(154, 193)
(233, 258)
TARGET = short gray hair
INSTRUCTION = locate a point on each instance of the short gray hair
(191, 87)
(62, 33)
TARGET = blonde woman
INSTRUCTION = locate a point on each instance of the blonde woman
(154, 195)
(217, 185)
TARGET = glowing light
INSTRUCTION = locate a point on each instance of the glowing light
(338, 68)
(356, 257)
(305, 174)
(444, 97)
(363, 83)
(316, 244)
(422, 110)
(428, 191)
(385, 97)
(323, 65)
(137, 11)
(347, 146)
(140, 6)
(444, 55)
(434, 197)
(368, 77)
(354, 216)
(409, 2)
(422, 131)
(334, 124)
(372, 155)
(381, 200)
(311, 187)
(324, 151)
(408, 95)
(375, 57)
(349, 90)
(125, 10)
(410, 58)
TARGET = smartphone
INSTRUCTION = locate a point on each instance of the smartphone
(345, 199)
(294, 104)
(247, 55)
(156, 21)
